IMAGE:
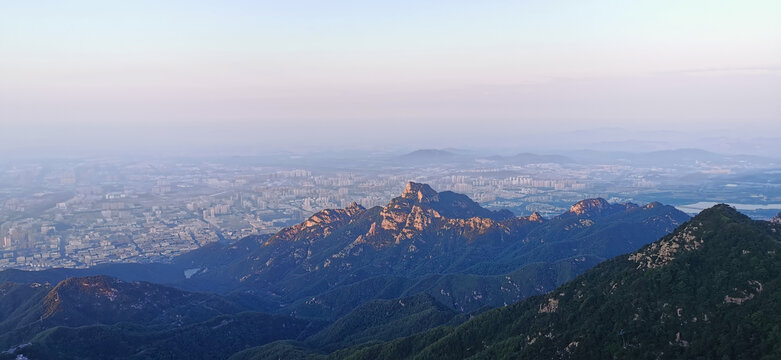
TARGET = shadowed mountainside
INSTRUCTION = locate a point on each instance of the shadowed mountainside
(711, 289)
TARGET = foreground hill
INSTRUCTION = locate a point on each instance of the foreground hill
(102, 317)
(216, 338)
(711, 289)
(31, 308)
(385, 320)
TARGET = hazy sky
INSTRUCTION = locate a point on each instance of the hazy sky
(285, 74)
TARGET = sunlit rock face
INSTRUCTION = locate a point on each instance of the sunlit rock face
(535, 217)
(776, 219)
(411, 210)
(420, 212)
(420, 208)
(422, 192)
(589, 206)
(320, 224)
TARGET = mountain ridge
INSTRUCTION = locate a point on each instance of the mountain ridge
(552, 294)
(424, 232)
(100, 317)
(717, 298)
(441, 243)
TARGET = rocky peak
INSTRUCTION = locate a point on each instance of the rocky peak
(354, 208)
(535, 216)
(689, 237)
(320, 224)
(420, 192)
(420, 207)
(652, 205)
(776, 219)
(92, 287)
(589, 206)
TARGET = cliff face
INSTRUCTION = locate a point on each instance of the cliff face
(590, 206)
(420, 208)
(417, 210)
(319, 225)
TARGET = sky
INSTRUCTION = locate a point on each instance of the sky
(92, 76)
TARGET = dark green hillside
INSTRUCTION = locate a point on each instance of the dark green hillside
(371, 323)
(102, 317)
(461, 292)
(216, 338)
(20, 306)
(383, 320)
(101, 300)
(712, 289)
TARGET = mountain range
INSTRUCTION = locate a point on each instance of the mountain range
(440, 243)
(438, 156)
(443, 244)
(675, 157)
(710, 289)
(414, 278)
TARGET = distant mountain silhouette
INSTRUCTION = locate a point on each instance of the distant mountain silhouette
(429, 154)
(529, 158)
(670, 158)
